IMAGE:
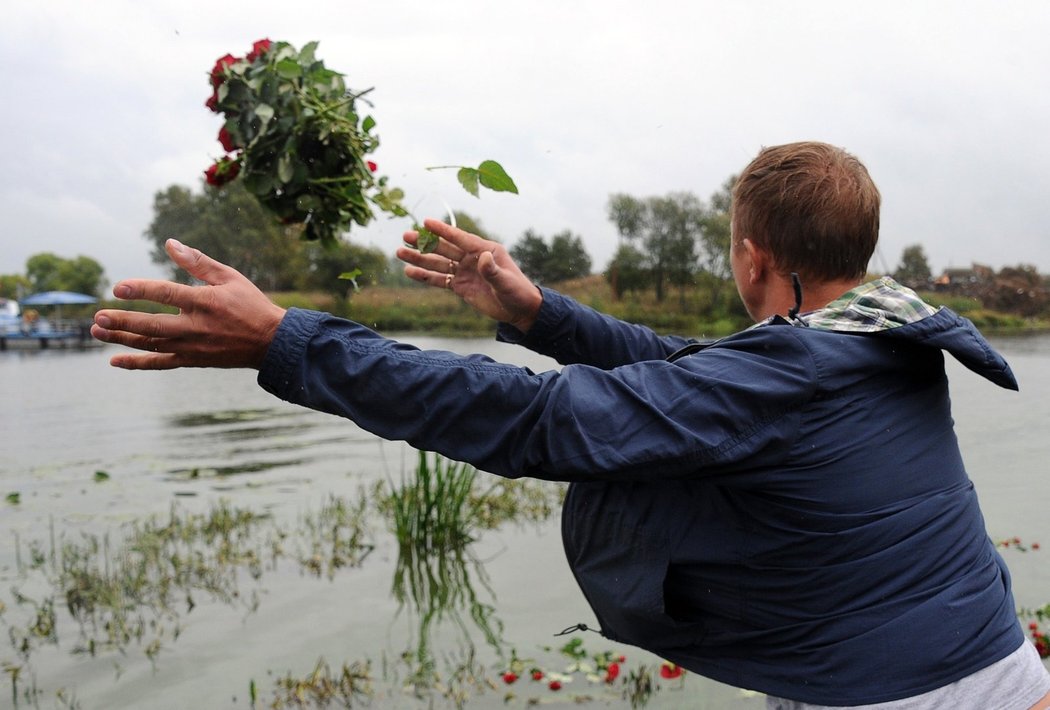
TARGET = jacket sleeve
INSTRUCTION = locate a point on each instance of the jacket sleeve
(572, 333)
(706, 412)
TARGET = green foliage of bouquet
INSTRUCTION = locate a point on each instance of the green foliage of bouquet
(294, 135)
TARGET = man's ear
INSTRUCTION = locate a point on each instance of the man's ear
(758, 261)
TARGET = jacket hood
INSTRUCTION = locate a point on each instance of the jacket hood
(884, 308)
(954, 334)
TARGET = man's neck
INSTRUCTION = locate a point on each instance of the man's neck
(780, 296)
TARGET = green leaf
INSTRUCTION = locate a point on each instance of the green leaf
(350, 275)
(468, 178)
(289, 69)
(285, 168)
(495, 178)
(101, 476)
(428, 241)
(265, 113)
(14, 498)
(368, 124)
(257, 183)
(306, 54)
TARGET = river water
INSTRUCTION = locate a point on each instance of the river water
(194, 438)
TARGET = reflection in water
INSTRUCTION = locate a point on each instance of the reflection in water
(436, 586)
(189, 474)
(263, 430)
(195, 419)
(434, 515)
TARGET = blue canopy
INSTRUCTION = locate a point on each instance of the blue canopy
(57, 298)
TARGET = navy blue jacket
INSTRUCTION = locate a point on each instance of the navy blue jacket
(786, 510)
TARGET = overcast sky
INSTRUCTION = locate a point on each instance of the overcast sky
(947, 103)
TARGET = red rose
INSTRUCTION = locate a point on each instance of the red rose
(537, 675)
(259, 48)
(372, 166)
(226, 140)
(612, 672)
(670, 670)
(213, 102)
(218, 71)
(221, 172)
(509, 677)
(554, 685)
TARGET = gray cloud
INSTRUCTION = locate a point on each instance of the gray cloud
(944, 101)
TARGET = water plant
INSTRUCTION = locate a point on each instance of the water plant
(334, 537)
(433, 509)
(323, 687)
(131, 588)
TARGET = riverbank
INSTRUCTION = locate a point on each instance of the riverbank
(689, 311)
(693, 312)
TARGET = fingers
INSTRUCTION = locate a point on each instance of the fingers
(198, 264)
(430, 278)
(166, 292)
(157, 355)
(432, 261)
(457, 237)
(454, 242)
(145, 325)
(444, 248)
(145, 361)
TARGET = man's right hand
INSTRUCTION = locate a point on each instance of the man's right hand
(477, 270)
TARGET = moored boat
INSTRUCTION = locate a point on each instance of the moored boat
(25, 328)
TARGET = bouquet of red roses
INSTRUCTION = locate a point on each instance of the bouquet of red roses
(294, 135)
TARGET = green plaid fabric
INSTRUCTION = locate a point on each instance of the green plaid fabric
(877, 305)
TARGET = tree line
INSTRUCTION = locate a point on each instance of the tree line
(677, 240)
(49, 272)
(674, 241)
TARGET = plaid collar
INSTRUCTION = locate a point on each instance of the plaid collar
(877, 305)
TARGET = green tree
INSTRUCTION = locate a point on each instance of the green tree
(563, 258)
(628, 271)
(11, 283)
(50, 272)
(914, 269)
(318, 267)
(42, 271)
(668, 229)
(532, 254)
(568, 258)
(229, 225)
(716, 238)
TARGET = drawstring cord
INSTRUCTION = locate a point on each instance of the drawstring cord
(796, 285)
(576, 627)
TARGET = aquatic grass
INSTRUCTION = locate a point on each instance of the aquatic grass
(322, 687)
(137, 590)
(436, 586)
(335, 537)
(517, 500)
(134, 591)
(441, 506)
(433, 510)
